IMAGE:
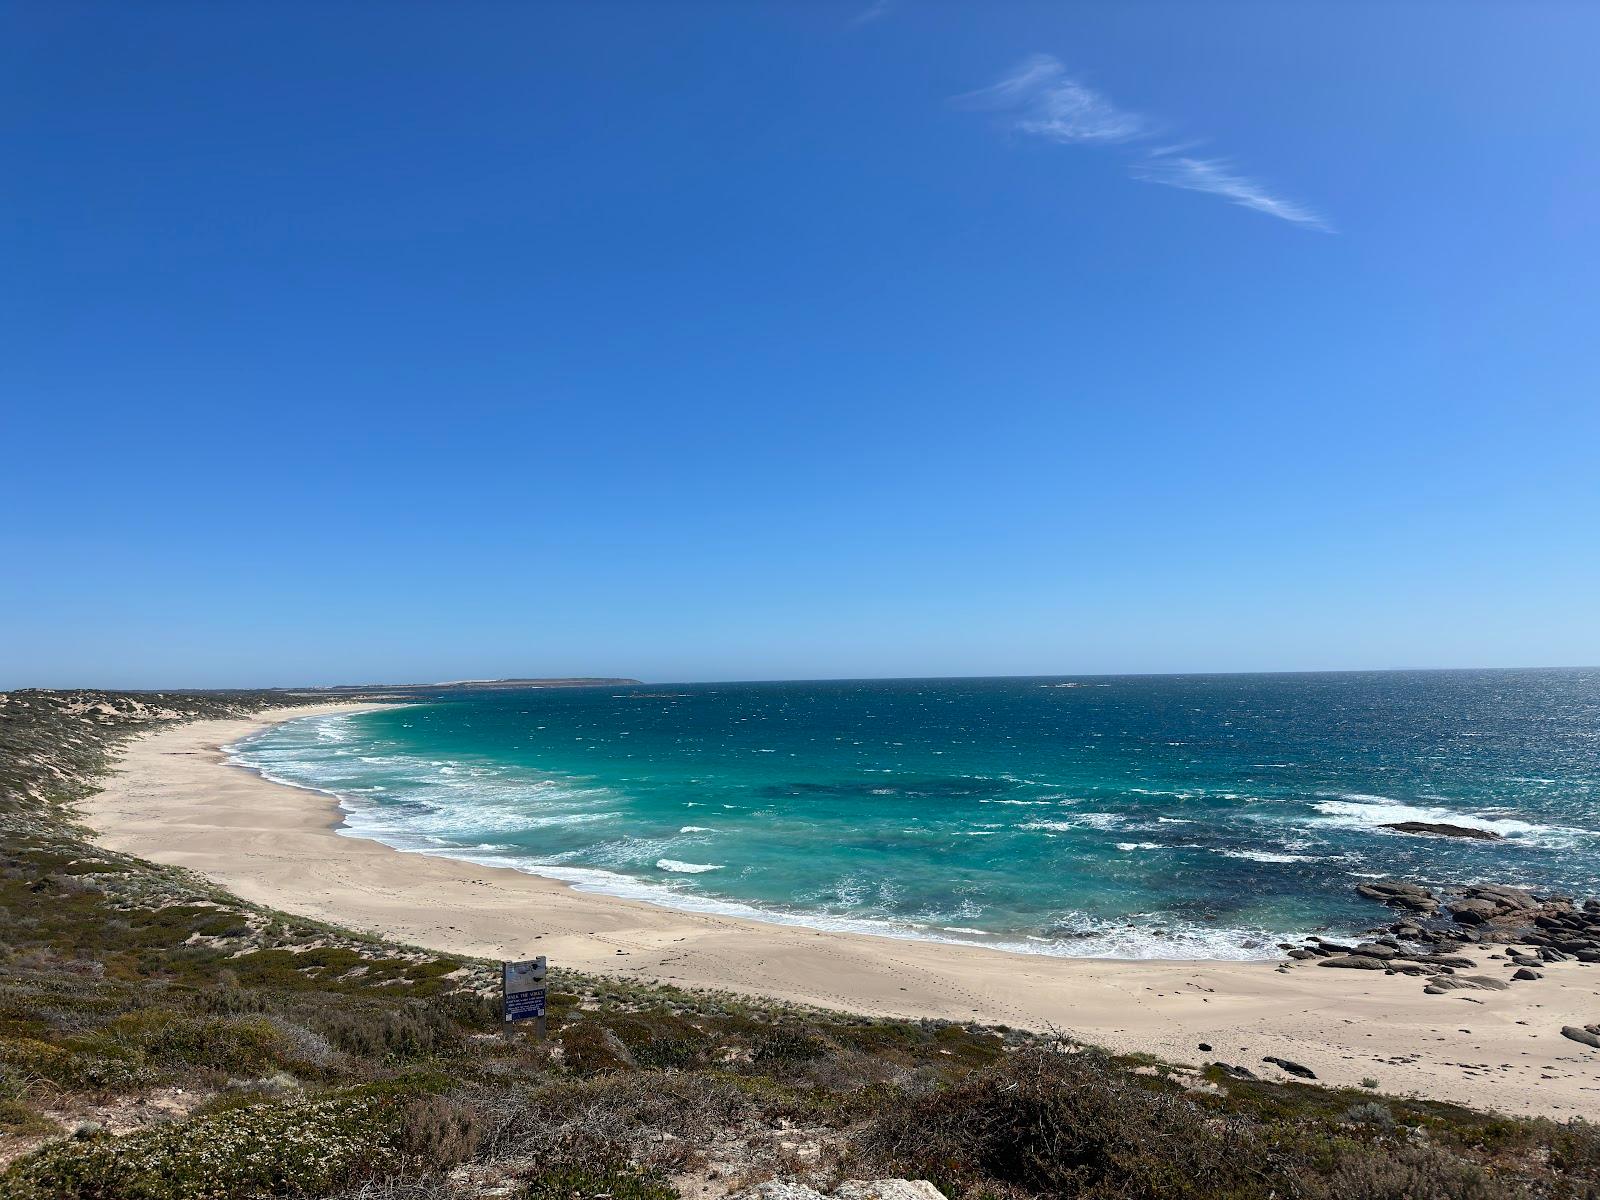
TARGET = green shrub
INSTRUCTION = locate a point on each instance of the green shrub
(169, 1041)
(371, 1031)
(660, 1041)
(303, 1148)
(439, 1131)
(1071, 1124)
(24, 1060)
(1371, 1113)
(786, 1044)
(1406, 1172)
(614, 1182)
(18, 1120)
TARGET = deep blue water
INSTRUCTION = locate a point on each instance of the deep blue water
(1166, 816)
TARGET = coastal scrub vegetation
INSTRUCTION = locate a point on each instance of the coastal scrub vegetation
(160, 1039)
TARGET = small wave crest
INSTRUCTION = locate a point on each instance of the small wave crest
(1266, 856)
(1372, 813)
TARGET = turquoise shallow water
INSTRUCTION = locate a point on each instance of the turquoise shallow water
(1171, 816)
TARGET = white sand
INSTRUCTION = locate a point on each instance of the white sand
(174, 800)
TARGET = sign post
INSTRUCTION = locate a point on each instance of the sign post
(522, 993)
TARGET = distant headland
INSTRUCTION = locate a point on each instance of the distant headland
(476, 685)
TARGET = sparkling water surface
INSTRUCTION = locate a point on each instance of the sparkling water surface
(1145, 816)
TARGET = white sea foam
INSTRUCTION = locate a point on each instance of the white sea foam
(1101, 821)
(1152, 937)
(1125, 846)
(1266, 856)
(1156, 936)
(696, 829)
(686, 868)
(1372, 814)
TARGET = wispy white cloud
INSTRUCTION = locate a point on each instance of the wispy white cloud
(1040, 98)
(1044, 100)
(873, 12)
(1215, 176)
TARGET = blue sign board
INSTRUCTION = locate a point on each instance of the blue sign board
(522, 984)
(522, 1005)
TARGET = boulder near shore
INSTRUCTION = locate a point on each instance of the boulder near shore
(1441, 829)
(1533, 930)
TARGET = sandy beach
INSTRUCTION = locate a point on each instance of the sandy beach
(175, 800)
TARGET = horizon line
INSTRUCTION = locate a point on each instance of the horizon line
(602, 681)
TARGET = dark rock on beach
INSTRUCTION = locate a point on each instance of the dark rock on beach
(1293, 1068)
(1357, 962)
(1443, 960)
(1587, 1036)
(1473, 912)
(1377, 950)
(1453, 983)
(1535, 929)
(1509, 896)
(1400, 895)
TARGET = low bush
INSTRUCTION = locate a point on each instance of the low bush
(168, 1042)
(439, 1131)
(786, 1044)
(18, 1120)
(301, 1148)
(390, 1032)
(1406, 1173)
(616, 1182)
(1073, 1124)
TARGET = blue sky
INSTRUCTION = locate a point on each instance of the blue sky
(355, 341)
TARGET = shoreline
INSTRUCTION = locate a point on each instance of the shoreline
(175, 800)
(619, 886)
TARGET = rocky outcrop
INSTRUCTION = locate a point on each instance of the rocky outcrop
(1557, 927)
(1529, 931)
(1441, 829)
(1473, 912)
(1400, 895)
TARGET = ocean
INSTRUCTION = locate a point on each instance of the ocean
(1133, 817)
